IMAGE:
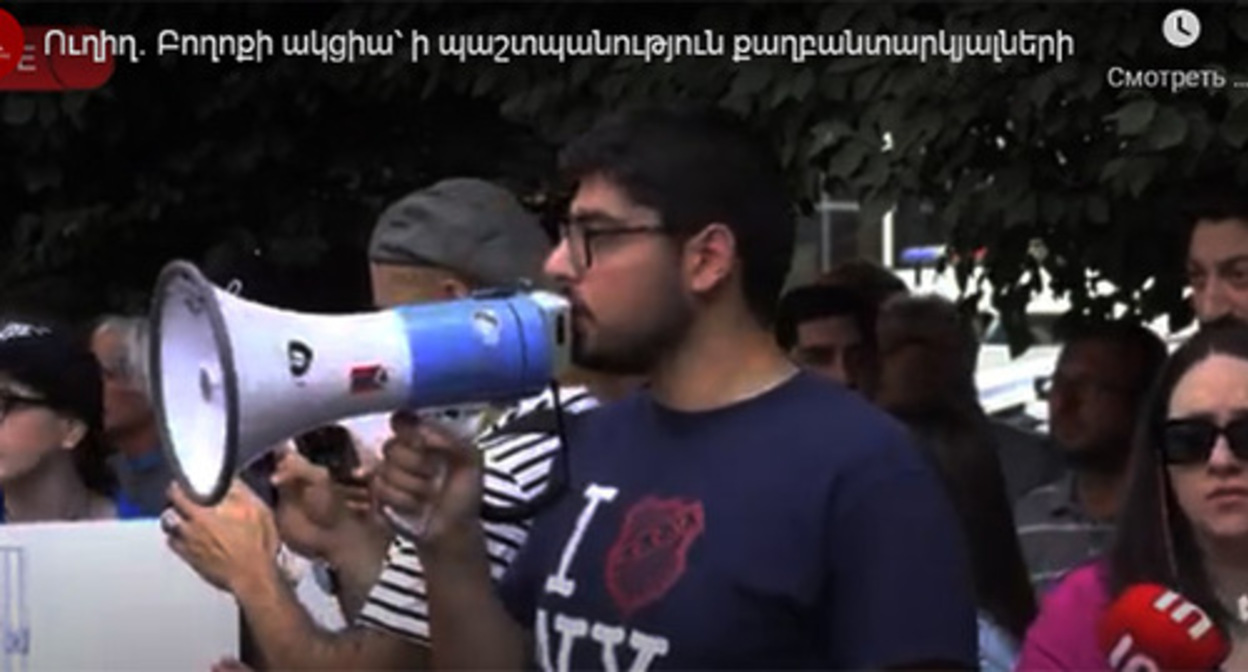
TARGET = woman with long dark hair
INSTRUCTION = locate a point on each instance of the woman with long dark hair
(928, 353)
(1184, 524)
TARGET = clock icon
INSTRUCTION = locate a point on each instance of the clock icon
(1181, 28)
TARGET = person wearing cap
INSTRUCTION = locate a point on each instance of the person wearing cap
(436, 244)
(459, 234)
(52, 464)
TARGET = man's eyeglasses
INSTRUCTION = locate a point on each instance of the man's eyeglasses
(1191, 441)
(10, 402)
(582, 233)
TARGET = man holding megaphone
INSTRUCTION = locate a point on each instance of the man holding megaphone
(737, 513)
(435, 245)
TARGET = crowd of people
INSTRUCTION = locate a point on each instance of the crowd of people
(730, 477)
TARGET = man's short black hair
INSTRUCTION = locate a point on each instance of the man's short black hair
(1149, 349)
(1213, 200)
(872, 281)
(1218, 201)
(697, 165)
(814, 302)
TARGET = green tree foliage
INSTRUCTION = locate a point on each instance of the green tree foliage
(297, 156)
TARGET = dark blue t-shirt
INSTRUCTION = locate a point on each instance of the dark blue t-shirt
(797, 529)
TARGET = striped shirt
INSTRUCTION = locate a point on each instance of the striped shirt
(517, 467)
(1056, 534)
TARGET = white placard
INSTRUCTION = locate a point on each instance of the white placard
(106, 596)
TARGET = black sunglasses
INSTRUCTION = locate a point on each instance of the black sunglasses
(1191, 441)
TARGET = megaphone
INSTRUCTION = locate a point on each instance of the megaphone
(231, 378)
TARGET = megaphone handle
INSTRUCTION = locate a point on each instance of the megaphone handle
(414, 527)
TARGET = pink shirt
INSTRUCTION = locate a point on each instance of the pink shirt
(1063, 636)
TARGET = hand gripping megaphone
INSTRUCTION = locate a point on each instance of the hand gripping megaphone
(232, 378)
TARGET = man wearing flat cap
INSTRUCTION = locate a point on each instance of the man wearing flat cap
(461, 233)
(436, 244)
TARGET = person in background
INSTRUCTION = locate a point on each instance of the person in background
(669, 551)
(1184, 522)
(876, 285)
(1104, 373)
(129, 422)
(928, 382)
(828, 330)
(436, 244)
(928, 354)
(1217, 254)
(972, 474)
(872, 285)
(52, 462)
(1020, 446)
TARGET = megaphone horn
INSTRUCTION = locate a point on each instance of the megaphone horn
(231, 378)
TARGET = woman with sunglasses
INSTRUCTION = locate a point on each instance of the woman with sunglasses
(52, 464)
(1184, 523)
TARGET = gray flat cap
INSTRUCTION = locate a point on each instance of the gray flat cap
(468, 226)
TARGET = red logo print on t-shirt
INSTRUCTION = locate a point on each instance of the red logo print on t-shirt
(648, 558)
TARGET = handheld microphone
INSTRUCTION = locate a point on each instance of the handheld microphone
(1151, 628)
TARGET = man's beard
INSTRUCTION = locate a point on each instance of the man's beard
(635, 350)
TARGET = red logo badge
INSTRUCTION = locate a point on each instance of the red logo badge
(80, 59)
(368, 378)
(12, 43)
(648, 558)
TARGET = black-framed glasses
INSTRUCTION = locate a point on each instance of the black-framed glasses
(10, 402)
(1191, 441)
(581, 233)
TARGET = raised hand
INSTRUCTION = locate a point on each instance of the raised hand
(433, 478)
